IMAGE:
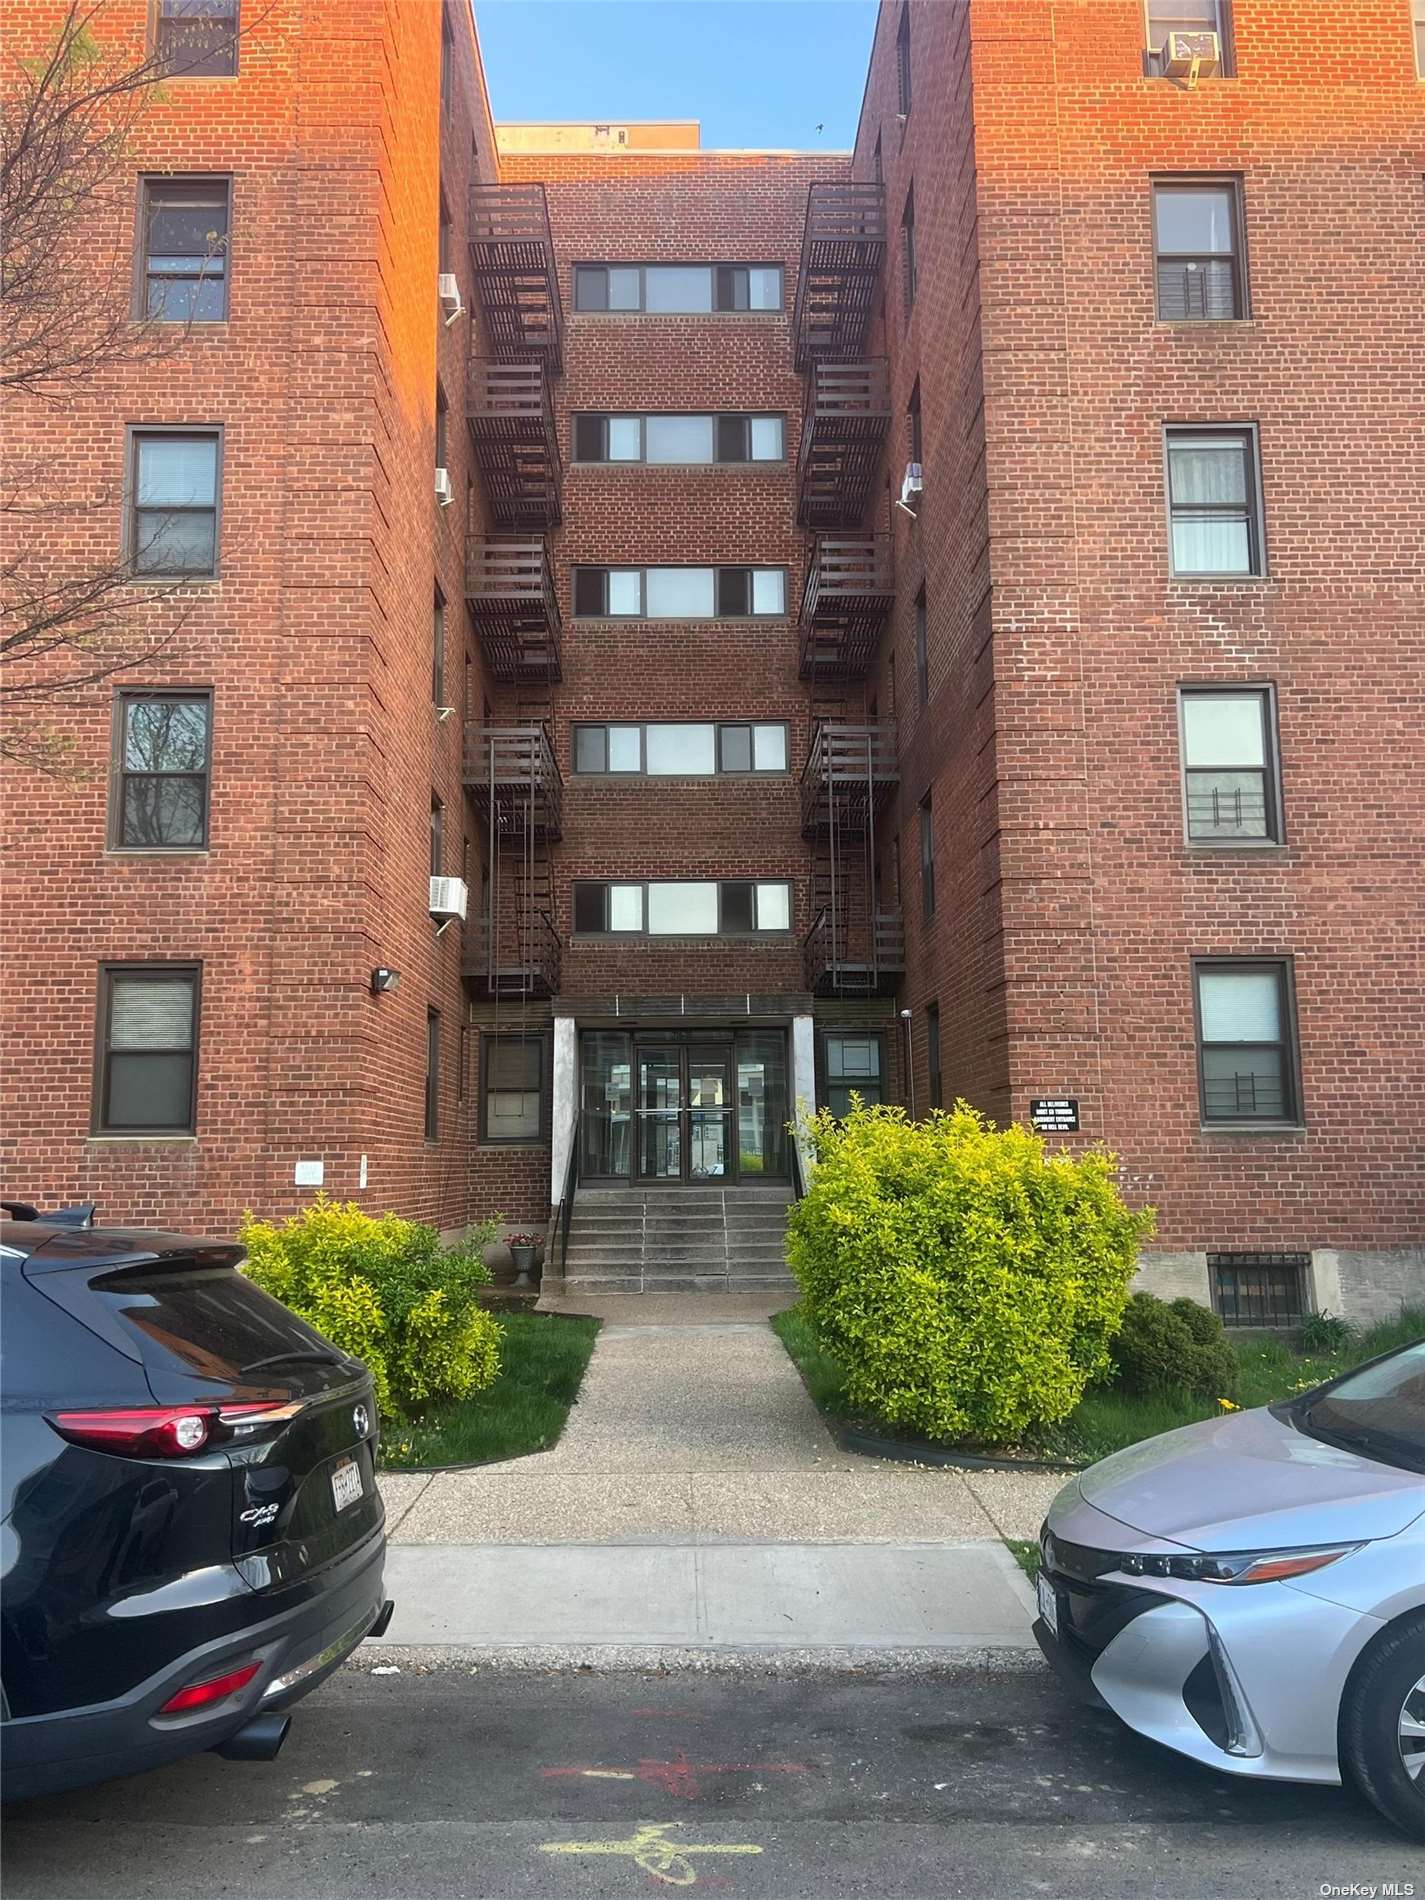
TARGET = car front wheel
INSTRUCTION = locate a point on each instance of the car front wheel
(1383, 1725)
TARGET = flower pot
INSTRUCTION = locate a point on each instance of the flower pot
(498, 1259)
(524, 1259)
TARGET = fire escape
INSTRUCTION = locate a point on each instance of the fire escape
(513, 948)
(854, 946)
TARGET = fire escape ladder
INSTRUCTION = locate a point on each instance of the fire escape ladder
(843, 247)
(512, 257)
(852, 948)
(512, 777)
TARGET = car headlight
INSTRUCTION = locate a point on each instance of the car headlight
(1236, 1566)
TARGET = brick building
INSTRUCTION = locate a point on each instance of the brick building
(961, 599)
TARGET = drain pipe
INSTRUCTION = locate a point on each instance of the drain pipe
(909, 1060)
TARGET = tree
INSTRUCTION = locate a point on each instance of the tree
(68, 116)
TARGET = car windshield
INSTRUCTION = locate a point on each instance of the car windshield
(1378, 1411)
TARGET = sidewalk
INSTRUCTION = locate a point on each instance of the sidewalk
(697, 1504)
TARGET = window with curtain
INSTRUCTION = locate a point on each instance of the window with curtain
(173, 516)
(185, 242)
(1214, 517)
(512, 1088)
(1197, 236)
(1230, 782)
(146, 1072)
(1246, 1054)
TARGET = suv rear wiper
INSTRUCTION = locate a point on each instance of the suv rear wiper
(292, 1358)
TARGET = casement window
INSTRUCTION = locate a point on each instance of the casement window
(927, 859)
(183, 227)
(909, 271)
(161, 771)
(932, 1053)
(922, 649)
(675, 907)
(1188, 16)
(1231, 786)
(852, 1062)
(437, 649)
(678, 289)
(197, 39)
(680, 593)
(173, 503)
(1259, 1289)
(1214, 503)
(914, 438)
(1247, 1061)
(146, 1067)
(903, 88)
(1197, 238)
(513, 1104)
(432, 1075)
(679, 440)
(1418, 15)
(437, 836)
(667, 749)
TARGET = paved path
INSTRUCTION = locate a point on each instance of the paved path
(982, 1785)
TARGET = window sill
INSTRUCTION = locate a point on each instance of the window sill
(1205, 323)
(514, 1147)
(1252, 1128)
(781, 937)
(157, 851)
(1254, 847)
(156, 1136)
(763, 465)
(613, 621)
(172, 581)
(678, 316)
(678, 778)
(1218, 580)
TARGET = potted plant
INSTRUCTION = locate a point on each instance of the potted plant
(525, 1250)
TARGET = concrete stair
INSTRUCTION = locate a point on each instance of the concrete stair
(677, 1240)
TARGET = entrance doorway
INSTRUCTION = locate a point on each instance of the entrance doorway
(691, 1107)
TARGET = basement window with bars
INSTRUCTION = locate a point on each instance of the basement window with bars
(197, 39)
(1248, 1066)
(1197, 235)
(680, 593)
(1259, 1289)
(1231, 789)
(679, 440)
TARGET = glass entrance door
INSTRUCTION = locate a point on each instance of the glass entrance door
(691, 1107)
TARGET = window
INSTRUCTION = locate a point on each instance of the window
(197, 39)
(680, 593)
(432, 1075)
(909, 274)
(916, 444)
(676, 907)
(512, 1106)
(462, 1063)
(877, 163)
(932, 1053)
(903, 61)
(441, 428)
(437, 836)
(1214, 502)
(447, 64)
(678, 289)
(1246, 1043)
(147, 1056)
(1259, 1289)
(678, 440)
(1418, 9)
(437, 649)
(922, 649)
(443, 258)
(1231, 789)
(161, 771)
(927, 860)
(1188, 16)
(1197, 236)
(685, 751)
(184, 233)
(173, 515)
(852, 1062)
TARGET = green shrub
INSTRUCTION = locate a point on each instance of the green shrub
(966, 1281)
(1324, 1332)
(1173, 1345)
(385, 1291)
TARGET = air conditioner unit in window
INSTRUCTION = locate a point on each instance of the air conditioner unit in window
(912, 488)
(444, 492)
(448, 898)
(448, 290)
(1189, 55)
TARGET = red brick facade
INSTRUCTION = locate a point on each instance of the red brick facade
(1069, 908)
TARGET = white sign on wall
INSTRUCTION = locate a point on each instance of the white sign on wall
(309, 1173)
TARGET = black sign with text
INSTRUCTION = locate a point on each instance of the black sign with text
(1054, 1115)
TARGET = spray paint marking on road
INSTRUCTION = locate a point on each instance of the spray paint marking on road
(679, 1777)
(667, 1861)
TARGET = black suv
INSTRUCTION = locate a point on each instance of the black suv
(192, 1537)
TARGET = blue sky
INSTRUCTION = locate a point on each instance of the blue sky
(756, 72)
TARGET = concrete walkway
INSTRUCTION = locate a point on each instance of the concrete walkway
(696, 1503)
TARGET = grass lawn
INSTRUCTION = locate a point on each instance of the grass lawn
(1105, 1421)
(542, 1361)
(1025, 1553)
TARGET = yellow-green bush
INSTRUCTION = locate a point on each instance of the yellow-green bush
(384, 1290)
(967, 1282)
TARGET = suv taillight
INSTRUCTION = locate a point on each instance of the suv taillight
(171, 1431)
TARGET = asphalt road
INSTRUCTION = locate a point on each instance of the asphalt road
(448, 1786)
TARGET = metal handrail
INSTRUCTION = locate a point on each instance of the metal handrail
(564, 1214)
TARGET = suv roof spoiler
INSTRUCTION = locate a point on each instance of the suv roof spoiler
(80, 1215)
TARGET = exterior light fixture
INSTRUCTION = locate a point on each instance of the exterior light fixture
(383, 980)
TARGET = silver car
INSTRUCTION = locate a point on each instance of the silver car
(1251, 1591)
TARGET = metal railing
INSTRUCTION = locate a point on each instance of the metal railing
(850, 770)
(564, 1213)
(848, 569)
(512, 250)
(843, 245)
(853, 954)
(535, 969)
(512, 765)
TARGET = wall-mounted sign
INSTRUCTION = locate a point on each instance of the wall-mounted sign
(1054, 1115)
(308, 1174)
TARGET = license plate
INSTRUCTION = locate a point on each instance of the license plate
(1048, 1603)
(346, 1484)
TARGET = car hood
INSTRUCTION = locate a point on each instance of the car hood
(1249, 1481)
